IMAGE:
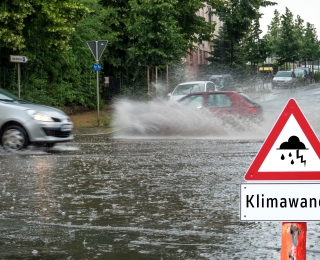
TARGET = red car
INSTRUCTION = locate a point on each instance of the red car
(224, 103)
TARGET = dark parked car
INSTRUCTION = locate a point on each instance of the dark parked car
(307, 69)
(223, 82)
(224, 103)
(302, 76)
(309, 72)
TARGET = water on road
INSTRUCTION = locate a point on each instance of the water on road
(110, 197)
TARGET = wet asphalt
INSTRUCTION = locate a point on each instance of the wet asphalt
(108, 196)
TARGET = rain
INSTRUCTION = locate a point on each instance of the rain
(169, 194)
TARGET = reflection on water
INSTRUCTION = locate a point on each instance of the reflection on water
(133, 199)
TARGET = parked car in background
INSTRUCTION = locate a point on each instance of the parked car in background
(309, 71)
(23, 123)
(302, 75)
(186, 88)
(286, 79)
(316, 68)
(223, 82)
(224, 103)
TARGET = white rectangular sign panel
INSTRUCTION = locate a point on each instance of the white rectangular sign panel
(286, 202)
(19, 59)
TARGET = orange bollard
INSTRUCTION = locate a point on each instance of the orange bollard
(294, 240)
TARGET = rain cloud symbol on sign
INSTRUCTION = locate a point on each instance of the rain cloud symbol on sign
(293, 144)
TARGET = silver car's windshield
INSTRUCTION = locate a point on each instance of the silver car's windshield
(284, 74)
(188, 88)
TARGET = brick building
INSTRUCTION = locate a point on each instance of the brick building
(198, 57)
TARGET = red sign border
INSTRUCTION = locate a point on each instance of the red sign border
(253, 173)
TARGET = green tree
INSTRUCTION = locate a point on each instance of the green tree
(288, 47)
(154, 32)
(23, 22)
(273, 34)
(310, 44)
(256, 49)
(237, 16)
(221, 57)
(58, 70)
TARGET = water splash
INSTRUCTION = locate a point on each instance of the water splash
(169, 118)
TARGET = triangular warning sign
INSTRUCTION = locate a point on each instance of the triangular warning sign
(290, 152)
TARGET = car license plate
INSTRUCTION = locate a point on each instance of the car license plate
(66, 128)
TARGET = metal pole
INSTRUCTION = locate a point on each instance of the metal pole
(294, 239)
(98, 97)
(97, 62)
(148, 79)
(167, 79)
(156, 80)
(19, 80)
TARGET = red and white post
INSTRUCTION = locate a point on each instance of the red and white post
(294, 240)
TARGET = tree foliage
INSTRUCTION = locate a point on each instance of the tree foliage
(21, 23)
(290, 41)
(310, 44)
(273, 34)
(288, 49)
(154, 33)
(142, 34)
(256, 49)
(237, 17)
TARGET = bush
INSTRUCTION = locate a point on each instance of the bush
(317, 76)
(106, 120)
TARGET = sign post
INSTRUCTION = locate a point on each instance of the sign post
(18, 59)
(283, 181)
(97, 48)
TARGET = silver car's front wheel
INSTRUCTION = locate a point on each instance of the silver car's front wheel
(14, 138)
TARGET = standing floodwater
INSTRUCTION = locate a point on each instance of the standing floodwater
(133, 199)
(165, 197)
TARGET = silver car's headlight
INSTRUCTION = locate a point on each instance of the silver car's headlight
(38, 116)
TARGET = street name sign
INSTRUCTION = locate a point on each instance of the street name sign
(18, 59)
(96, 67)
(283, 181)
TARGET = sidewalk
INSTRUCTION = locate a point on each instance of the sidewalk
(93, 130)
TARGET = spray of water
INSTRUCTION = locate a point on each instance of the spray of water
(171, 119)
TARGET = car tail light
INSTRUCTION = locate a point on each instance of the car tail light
(253, 110)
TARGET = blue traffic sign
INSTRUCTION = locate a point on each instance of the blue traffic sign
(96, 67)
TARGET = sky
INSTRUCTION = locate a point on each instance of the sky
(309, 10)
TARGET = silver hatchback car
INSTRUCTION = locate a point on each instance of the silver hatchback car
(23, 123)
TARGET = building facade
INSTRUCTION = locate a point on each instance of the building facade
(195, 59)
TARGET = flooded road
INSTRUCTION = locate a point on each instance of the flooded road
(106, 197)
